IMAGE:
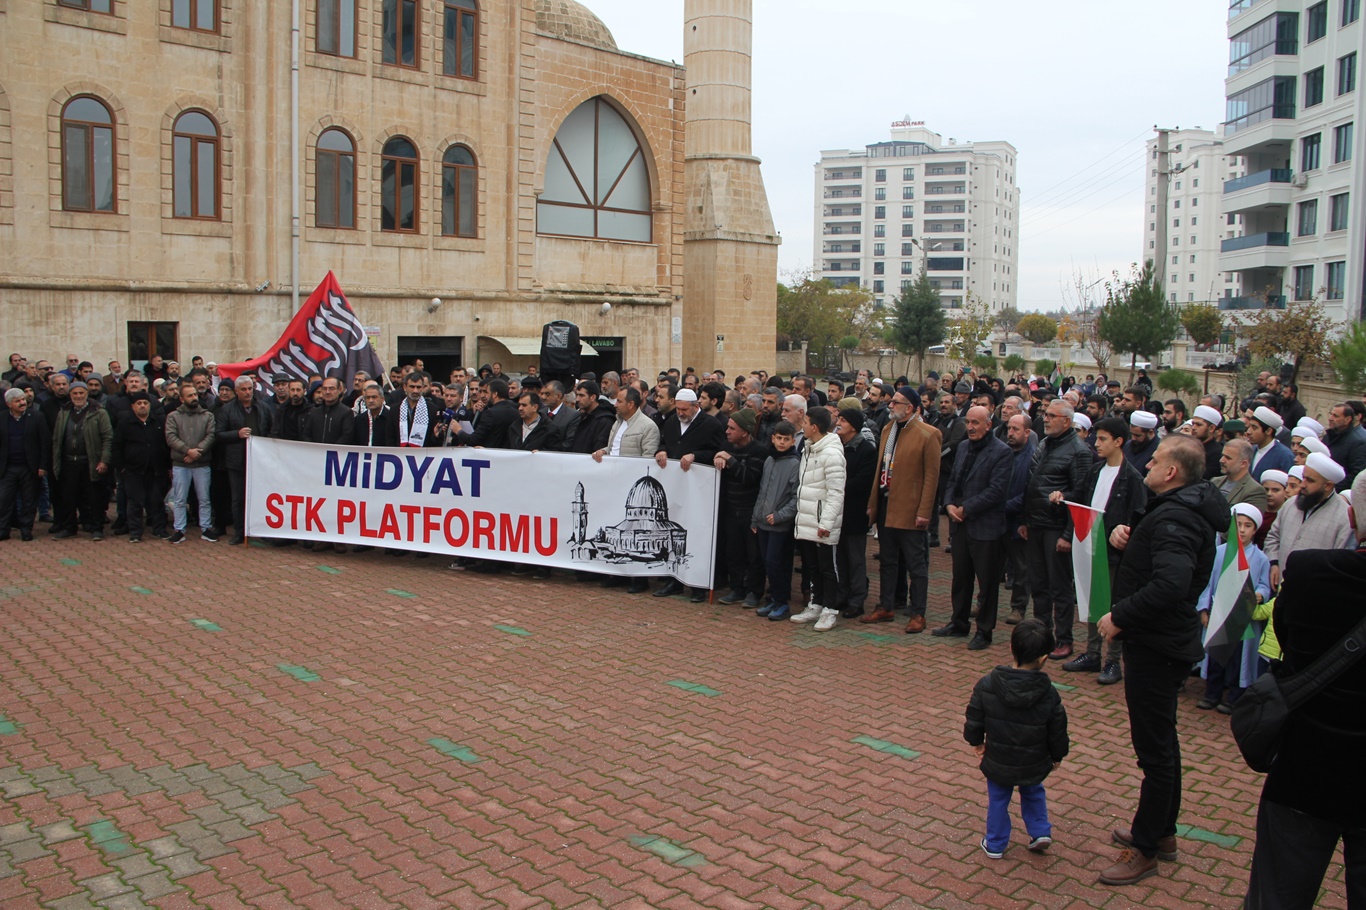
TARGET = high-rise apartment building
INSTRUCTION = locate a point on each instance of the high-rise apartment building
(884, 210)
(1293, 107)
(1195, 224)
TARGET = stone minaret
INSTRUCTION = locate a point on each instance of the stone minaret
(730, 249)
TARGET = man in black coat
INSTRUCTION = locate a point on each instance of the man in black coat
(741, 463)
(235, 422)
(1060, 466)
(687, 435)
(491, 429)
(975, 501)
(595, 419)
(533, 431)
(1168, 556)
(376, 424)
(142, 460)
(1115, 487)
(1020, 438)
(420, 417)
(25, 458)
(289, 417)
(330, 423)
(851, 553)
(1315, 793)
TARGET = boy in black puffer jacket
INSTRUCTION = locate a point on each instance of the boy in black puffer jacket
(1017, 725)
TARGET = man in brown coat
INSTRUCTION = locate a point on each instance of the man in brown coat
(902, 501)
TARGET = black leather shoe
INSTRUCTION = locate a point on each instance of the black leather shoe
(63, 535)
(1084, 663)
(1110, 673)
(671, 587)
(699, 595)
(950, 631)
(731, 597)
(637, 586)
(980, 642)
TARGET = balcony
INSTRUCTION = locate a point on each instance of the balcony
(1275, 302)
(1262, 191)
(1237, 7)
(1250, 241)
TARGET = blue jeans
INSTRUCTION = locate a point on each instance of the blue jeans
(775, 548)
(181, 478)
(1033, 808)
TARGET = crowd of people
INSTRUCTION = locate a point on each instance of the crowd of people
(983, 466)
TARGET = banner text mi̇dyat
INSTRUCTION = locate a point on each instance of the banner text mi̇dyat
(623, 516)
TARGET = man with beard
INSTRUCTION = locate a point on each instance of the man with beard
(595, 420)
(771, 412)
(82, 450)
(491, 429)
(1205, 429)
(851, 553)
(952, 430)
(1168, 555)
(1020, 437)
(331, 423)
(421, 421)
(142, 460)
(289, 417)
(1317, 519)
(687, 436)
(1173, 415)
(1143, 440)
(741, 463)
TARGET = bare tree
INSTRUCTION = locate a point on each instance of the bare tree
(1080, 326)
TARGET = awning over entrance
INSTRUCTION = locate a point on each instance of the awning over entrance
(531, 347)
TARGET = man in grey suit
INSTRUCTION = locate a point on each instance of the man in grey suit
(975, 499)
(563, 414)
(633, 434)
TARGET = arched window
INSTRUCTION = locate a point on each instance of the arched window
(87, 156)
(194, 166)
(596, 182)
(398, 186)
(459, 193)
(335, 203)
(460, 39)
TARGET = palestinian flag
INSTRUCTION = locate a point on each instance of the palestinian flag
(1090, 561)
(1055, 380)
(1230, 614)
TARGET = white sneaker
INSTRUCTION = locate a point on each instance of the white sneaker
(810, 614)
(827, 620)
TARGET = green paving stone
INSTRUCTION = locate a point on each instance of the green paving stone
(206, 626)
(108, 838)
(330, 570)
(139, 589)
(299, 673)
(696, 688)
(879, 638)
(511, 630)
(881, 745)
(1064, 688)
(397, 593)
(451, 750)
(257, 542)
(1228, 841)
(70, 562)
(8, 727)
(669, 851)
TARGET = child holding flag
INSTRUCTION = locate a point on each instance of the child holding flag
(1241, 579)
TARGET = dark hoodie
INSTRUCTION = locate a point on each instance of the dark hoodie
(1165, 567)
(1021, 718)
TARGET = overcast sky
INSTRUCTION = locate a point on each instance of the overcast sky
(1075, 85)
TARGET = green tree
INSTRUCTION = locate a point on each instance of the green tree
(918, 321)
(848, 345)
(1038, 328)
(1204, 324)
(1007, 319)
(984, 363)
(1349, 360)
(1137, 317)
(971, 329)
(817, 312)
(1013, 363)
(1044, 368)
(1177, 381)
(1298, 334)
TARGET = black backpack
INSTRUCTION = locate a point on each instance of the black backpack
(1260, 713)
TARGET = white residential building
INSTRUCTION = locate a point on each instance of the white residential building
(1195, 223)
(1293, 105)
(885, 209)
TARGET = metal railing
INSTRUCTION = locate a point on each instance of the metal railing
(1251, 241)
(1275, 175)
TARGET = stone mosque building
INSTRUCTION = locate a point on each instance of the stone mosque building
(176, 176)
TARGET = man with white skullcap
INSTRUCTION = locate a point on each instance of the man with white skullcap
(1307, 426)
(1316, 520)
(1262, 428)
(1143, 440)
(1205, 428)
(688, 435)
(1310, 446)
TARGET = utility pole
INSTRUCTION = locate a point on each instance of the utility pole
(1160, 251)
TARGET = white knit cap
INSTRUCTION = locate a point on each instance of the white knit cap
(685, 395)
(1274, 476)
(1268, 417)
(1296, 472)
(1325, 467)
(1249, 510)
(1313, 444)
(1145, 419)
(1308, 425)
(1209, 415)
(1081, 421)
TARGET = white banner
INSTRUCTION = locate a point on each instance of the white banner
(623, 516)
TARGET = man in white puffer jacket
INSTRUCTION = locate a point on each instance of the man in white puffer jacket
(820, 511)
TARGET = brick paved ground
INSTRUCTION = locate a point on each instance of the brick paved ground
(206, 726)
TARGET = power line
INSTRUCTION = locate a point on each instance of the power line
(1120, 171)
(1077, 174)
(1108, 202)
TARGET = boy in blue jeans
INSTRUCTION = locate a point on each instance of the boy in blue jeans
(1017, 725)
